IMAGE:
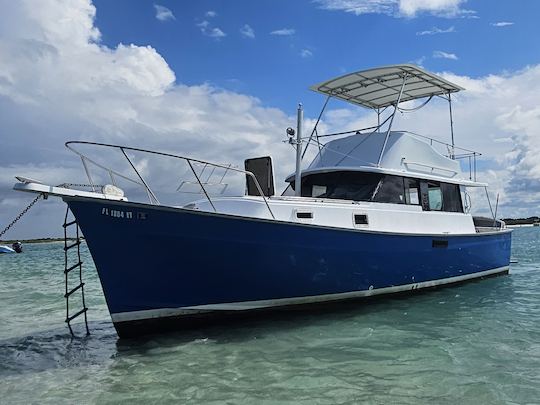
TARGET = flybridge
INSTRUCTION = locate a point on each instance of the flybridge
(385, 88)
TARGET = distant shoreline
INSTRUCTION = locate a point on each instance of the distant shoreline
(39, 240)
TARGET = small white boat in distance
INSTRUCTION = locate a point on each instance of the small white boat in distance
(6, 249)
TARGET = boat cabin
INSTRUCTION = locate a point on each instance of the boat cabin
(410, 172)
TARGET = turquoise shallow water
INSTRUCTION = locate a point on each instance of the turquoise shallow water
(477, 343)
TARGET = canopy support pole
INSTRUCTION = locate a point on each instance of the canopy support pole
(392, 119)
(298, 175)
(315, 127)
(453, 156)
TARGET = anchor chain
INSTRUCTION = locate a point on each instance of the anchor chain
(21, 214)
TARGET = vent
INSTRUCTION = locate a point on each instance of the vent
(360, 219)
(304, 215)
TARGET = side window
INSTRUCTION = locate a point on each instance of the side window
(318, 191)
(435, 196)
(451, 197)
(412, 191)
(390, 190)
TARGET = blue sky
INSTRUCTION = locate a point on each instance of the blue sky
(220, 80)
(272, 68)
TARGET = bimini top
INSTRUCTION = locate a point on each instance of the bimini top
(380, 87)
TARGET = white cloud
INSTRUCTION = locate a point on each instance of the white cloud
(450, 8)
(444, 55)
(306, 53)
(284, 32)
(399, 8)
(163, 13)
(502, 24)
(436, 30)
(210, 14)
(209, 31)
(58, 83)
(247, 31)
(420, 61)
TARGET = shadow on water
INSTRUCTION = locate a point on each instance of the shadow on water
(55, 348)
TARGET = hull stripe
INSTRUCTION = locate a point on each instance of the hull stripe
(259, 304)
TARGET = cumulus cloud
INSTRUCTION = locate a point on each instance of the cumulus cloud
(163, 13)
(502, 24)
(59, 83)
(210, 14)
(399, 8)
(247, 31)
(436, 30)
(445, 55)
(284, 32)
(306, 53)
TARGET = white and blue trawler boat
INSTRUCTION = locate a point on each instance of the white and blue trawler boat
(376, 212)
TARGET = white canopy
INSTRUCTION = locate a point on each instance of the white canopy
(380, 87)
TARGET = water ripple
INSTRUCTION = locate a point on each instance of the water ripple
(473, 344)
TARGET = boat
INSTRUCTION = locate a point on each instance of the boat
(6, 249)
(378, 211)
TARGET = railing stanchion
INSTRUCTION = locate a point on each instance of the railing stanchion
(200, 184)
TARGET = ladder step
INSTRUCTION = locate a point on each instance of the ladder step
(66, 271)
(72, 317)
(69, 223)
(73, 290)
(73, 245)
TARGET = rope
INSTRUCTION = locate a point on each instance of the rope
(21, 214)
(406, 110)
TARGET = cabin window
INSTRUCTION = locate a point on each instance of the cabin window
(355, 186)
(435, 196)
(390, 190)
(451, 198)
(365, 186)
(317, 191)
(441, 197)
(412, 191)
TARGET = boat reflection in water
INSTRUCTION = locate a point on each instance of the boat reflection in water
(378, 211)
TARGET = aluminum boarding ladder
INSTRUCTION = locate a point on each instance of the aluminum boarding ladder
(68, 246)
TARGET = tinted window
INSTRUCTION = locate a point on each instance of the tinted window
(354, 186)
(362, 186)
(390, 190)
(435, 196)
(412, 190)
(451, 198)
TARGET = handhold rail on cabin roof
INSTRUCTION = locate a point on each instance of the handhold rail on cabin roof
(141, 182)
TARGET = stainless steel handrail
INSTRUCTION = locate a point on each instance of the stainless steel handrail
(143, 183)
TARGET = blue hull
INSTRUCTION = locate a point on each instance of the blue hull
(159, 262)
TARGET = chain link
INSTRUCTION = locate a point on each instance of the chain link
(21, 214)
(64, 185)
